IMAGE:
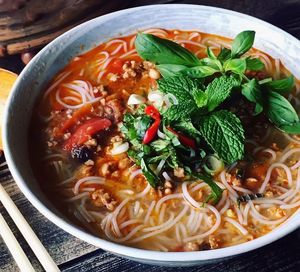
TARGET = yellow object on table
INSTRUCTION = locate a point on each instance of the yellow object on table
(7, 80)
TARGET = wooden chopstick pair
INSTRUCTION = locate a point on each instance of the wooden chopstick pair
(29, 235)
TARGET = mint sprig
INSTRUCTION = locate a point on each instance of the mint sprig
(224, 133)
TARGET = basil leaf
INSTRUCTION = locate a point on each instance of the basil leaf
(216, 191)
(242, 43)
(254, 64)
(282, 86)
(170, 70)
(199, 71)
(224, 54)
(218, 90)
(163, 51)
(237, 66)
(210, 53)
(224, 133)
(213, 63)
(253, 93)
(279, 110)
(152, 179)
(292, 129)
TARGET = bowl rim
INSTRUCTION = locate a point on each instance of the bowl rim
(124, 250)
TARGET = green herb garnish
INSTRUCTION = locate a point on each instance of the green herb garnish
(199, 124)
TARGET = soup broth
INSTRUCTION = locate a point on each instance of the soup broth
(99, 186)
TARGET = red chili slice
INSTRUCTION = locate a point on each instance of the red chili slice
(84, 131)
(187, 141)
(151, 132)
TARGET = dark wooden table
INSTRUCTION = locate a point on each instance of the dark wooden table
(71, 254)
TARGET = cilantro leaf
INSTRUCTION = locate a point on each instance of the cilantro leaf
(224, 133)
(186, 126)
(253, 93)
(188, 94)
(216, 191)
(149, 174)
(218, 90)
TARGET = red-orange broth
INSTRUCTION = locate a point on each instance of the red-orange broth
(110, 197)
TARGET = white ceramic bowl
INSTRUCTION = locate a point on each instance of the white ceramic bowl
(57, 54)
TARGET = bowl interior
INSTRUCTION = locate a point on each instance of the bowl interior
(35, 77)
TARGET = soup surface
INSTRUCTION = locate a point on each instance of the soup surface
(86, 159)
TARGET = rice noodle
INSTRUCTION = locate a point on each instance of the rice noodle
(225, 207)
(212, 229)
(92, 179)
(165, 198)
(170, 225)
(150, 209)
(269, 172)
(228, 187)
(237, 225)
(189, 199)
(135, 173)
(166, 176)
(77, 197)
(160, 226)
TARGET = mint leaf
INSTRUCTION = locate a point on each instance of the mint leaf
(218, 90)
(252, 92)
(242, 43)
(224, 133)
(200, 97)
(254, 64)
(163, 51)
(279, 110)
(152, 179)
(281, 86)
(187, 93)
(237, 66)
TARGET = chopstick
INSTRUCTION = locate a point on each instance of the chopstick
(14, 247)
(29, 235)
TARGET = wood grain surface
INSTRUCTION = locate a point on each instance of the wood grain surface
(71, 254)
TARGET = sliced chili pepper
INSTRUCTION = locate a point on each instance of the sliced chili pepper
(151, 132)
(84, 131)
(152, 112)
(187, 141)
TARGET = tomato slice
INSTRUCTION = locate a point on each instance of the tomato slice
(116, 66)
(84, 131)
